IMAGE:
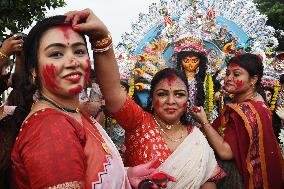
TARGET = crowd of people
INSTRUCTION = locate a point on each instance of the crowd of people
(54, 136)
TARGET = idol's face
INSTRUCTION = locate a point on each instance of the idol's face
(170, 99)
(190, 63)
(64, 64)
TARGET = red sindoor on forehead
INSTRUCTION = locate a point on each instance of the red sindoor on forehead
(171, 78)
(66, 31)
(87, 72)
(49, 75)
(234, 65)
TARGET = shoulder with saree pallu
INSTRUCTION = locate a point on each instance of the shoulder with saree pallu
(247, 127)
(193, 163)
(53, 150)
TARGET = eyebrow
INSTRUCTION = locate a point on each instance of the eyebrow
(237, 69)
(63, 45)
(165, 90)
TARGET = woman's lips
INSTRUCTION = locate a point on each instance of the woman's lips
(73, 77)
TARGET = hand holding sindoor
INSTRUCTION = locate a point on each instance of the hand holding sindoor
(86, 21)
(144, 176)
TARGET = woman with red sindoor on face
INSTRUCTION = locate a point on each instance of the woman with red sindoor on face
(58, 145)
(242, 137)
(163, 130)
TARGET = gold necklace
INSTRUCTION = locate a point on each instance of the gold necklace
(167, 135)
(167, 126)
(103, 144)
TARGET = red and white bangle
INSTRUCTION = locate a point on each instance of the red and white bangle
(100, 50)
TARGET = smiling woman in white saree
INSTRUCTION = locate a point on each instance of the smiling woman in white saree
(163, 131)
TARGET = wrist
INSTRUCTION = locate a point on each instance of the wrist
(101, 43)
(4, 55)
(205, 124)
(128, 171)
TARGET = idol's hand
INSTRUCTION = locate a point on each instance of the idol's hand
(86, 21)
(280, 112)
(199, 113)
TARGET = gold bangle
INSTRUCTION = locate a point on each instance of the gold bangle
(205, 123)
(102, 43)
(4, 56)
(99, 50)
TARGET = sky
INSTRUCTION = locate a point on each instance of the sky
(116, 14)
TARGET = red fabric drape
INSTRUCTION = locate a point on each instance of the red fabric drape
(250, 135)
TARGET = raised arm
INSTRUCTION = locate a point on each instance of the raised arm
(10, 46)
(106, 68)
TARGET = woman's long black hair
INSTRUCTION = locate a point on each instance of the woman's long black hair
(163, 74)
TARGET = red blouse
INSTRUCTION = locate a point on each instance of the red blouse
(55, 150)
(47, 148)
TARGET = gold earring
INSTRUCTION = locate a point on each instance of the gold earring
(33, 76)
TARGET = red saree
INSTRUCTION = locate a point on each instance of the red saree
(248, 130)
(53, 150)
(144, 142)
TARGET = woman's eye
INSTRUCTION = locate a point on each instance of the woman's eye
(55, 54)
(236, 74)
(180, 94)
(80, 52)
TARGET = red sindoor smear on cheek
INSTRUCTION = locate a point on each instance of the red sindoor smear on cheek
(239, 83)
(184, 107)
(49, 75)
(66, 31)
(171, 78)
(157, 105)
(76, 89)
(87, 72)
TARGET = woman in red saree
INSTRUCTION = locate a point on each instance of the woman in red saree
(242, 137)
(58, 145)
